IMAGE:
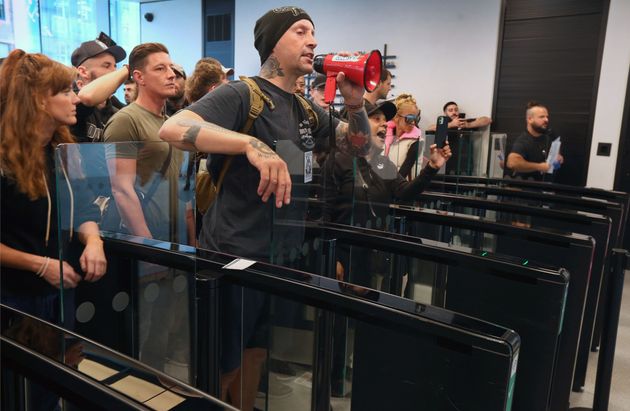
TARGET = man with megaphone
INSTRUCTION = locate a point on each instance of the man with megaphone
(238, 222)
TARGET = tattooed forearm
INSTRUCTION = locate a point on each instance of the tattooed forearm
(354, 137)
(190, 136)
(262, 149)
(271, 68)
(195, 126)
(216, 139)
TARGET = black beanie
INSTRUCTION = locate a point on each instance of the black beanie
(272, 25)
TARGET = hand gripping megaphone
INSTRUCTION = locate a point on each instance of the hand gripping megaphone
(364, 69)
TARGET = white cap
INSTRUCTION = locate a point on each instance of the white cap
(228, 71)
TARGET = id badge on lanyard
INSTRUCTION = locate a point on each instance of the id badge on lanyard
(308, 166)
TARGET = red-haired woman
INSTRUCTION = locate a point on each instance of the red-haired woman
(37, 105)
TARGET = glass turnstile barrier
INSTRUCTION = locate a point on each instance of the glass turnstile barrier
(43, 363)
(470, 152)
(522, 215)
(154, 289)
(480, 284)
(575, 252)
(615, 209)
(369, 253)
(296, 359)
(144, 190)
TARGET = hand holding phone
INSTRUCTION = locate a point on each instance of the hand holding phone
(441, 131)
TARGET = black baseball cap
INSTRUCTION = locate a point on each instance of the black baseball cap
(92, 48)
(319, 81)
(386, 107)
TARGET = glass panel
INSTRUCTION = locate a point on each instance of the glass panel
(301, 336)
(151, 304)
(139, 188)
(470, 154)
(104, 366)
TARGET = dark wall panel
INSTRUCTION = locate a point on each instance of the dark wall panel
(550, 52)
(521, 9)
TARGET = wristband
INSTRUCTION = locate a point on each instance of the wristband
(129, 74)
(42, 269)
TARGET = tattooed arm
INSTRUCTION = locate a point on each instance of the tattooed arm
(187, 131)
(353, 137)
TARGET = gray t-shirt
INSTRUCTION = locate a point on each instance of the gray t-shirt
(239, 222)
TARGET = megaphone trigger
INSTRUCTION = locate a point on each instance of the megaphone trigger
(331, 88)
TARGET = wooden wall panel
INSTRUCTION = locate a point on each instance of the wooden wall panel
(551, 53)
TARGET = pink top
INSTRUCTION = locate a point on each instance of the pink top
(415, 134)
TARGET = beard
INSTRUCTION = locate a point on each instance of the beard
(539, 129)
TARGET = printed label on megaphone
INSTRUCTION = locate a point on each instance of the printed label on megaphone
(345, 58)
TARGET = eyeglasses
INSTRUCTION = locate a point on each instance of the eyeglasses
(411, 119)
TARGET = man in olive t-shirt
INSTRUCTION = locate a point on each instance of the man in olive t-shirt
(139, 158)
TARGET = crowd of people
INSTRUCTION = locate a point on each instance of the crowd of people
(377, 156)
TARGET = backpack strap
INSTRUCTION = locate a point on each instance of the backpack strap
(257, 101)
(312, 117)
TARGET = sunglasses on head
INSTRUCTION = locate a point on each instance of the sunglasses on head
(105, 39)
(411, 119)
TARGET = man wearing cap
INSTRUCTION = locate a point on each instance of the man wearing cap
(96, 59)
(178, 101)
(240, 221)
(227, 72)
(317, 89)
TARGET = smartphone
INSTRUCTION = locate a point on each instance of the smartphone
(441, 131)
(461, 115)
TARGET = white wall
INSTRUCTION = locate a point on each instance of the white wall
(611, 95)
(178, 24)
(446, 50)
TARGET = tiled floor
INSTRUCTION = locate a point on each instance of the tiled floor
(620, 390)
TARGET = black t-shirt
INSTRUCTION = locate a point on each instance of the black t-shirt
(91, 122)
(23, 227)
(239, 222)
(89, 129)
(532, 149)
(359, 191)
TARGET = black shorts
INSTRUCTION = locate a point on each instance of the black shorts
(244, 323)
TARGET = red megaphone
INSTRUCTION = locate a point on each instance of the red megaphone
(364, 69)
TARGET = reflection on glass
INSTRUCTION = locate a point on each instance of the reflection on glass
(102, 365)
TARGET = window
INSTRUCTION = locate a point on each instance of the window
(219, 27)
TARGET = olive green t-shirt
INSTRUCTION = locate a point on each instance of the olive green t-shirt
(135, 130)
(138, 125)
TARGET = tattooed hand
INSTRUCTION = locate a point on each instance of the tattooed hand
(354, 137)
(274, 174)
(352, 93)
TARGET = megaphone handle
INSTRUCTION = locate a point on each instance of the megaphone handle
(331, 88)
